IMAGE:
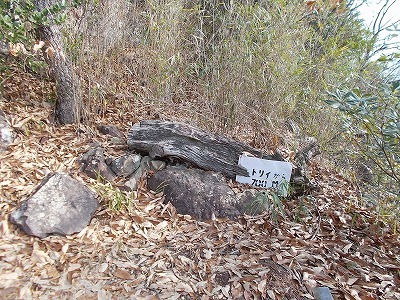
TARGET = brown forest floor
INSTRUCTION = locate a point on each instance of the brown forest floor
(152, 252)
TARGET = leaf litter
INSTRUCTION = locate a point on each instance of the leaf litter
(326, 238)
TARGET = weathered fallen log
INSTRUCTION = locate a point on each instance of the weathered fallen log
(206, 150)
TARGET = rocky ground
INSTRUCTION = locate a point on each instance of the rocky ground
(148, 251)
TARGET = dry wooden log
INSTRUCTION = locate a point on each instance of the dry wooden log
(206, 150)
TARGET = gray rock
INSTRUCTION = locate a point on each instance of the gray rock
(118, 141)
(149, 164)
(157, 165)
(93, 164)
(196, 192)
(125, 165)
(60, 205)
(110, 130)
(251, 201)
(6, 137)
(132, 183)
(322, 293)
(146, 164)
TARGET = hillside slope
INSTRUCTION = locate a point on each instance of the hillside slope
(150, 252)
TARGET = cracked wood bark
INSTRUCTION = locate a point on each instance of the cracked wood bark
(208, 151)
(67, 85)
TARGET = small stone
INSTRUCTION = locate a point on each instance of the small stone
(132, 184)
(109, 160)
(93, 164)
(125, 165)
(117, 141)
(133, 181)
(322, 293)
(145, 162)
(157, 165)
(6, 137)
(110, 130)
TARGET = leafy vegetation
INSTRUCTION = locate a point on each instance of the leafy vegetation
(372, 126)
(19, 22)
(267, 202)
(117, 200)
(20, 19)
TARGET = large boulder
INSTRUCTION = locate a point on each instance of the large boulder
(60, 205)
(198, 193)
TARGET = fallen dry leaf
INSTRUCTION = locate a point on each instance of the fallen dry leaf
(122, 274)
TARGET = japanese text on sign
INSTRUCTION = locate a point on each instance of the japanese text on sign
(264, 173)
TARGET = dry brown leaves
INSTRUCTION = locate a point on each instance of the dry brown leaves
(154, 253)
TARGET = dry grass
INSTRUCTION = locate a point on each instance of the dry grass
(241, 69)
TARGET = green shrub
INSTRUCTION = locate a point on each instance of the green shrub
(117, 200)
(371, 123)
(19, 22)
(20, 18)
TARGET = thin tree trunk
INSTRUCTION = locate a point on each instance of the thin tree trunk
(67, 84)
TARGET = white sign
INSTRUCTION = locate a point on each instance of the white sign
(265, 173)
